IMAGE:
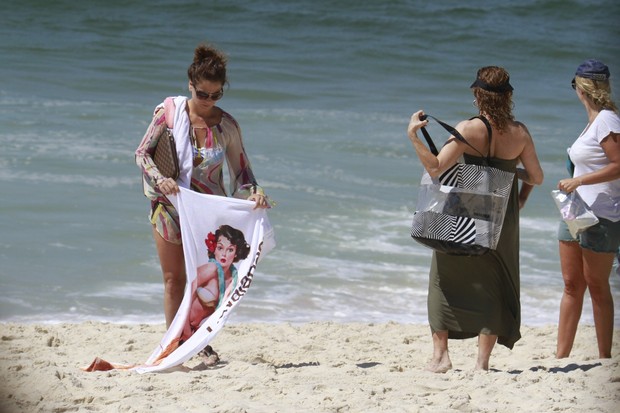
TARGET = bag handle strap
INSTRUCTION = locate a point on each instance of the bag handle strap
(427, 137)
(456, 134)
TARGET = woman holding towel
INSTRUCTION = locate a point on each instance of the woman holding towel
(206, 137)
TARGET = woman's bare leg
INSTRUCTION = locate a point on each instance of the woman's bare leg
(172, 264)
(571, 305)
(597, 269)
(486, 342)
(440, 363)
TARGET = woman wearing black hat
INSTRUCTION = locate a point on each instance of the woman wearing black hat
(479, 296)
(587, 260)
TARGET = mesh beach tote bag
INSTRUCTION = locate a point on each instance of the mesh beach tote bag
(462, 211)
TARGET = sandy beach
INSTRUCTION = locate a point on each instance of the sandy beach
(314, 367)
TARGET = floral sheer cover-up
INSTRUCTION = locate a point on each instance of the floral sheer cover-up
(224, 143)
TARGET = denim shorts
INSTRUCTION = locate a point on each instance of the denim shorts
(602, 237)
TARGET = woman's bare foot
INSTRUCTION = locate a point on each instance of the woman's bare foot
(482, 365)
(440, 364)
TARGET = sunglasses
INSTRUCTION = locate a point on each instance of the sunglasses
(572, 83)
(204, 95)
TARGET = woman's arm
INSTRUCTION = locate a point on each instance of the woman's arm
(611, 147)
(448, 155)
(524, 193)
(241, 175)
(146, 149)
(532, 173)
(238, 163)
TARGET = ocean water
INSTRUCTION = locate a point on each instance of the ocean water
(323, 92)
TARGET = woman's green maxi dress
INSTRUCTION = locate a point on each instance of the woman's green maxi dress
(472, 295)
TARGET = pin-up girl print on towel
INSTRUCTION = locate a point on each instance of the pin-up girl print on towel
(215, 279)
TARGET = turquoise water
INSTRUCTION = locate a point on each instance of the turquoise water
(323, 92)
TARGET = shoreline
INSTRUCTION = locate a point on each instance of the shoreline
(310, 367)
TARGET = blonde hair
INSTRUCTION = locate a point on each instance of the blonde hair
(597, 91)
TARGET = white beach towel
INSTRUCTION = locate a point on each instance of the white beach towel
(201, 215)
